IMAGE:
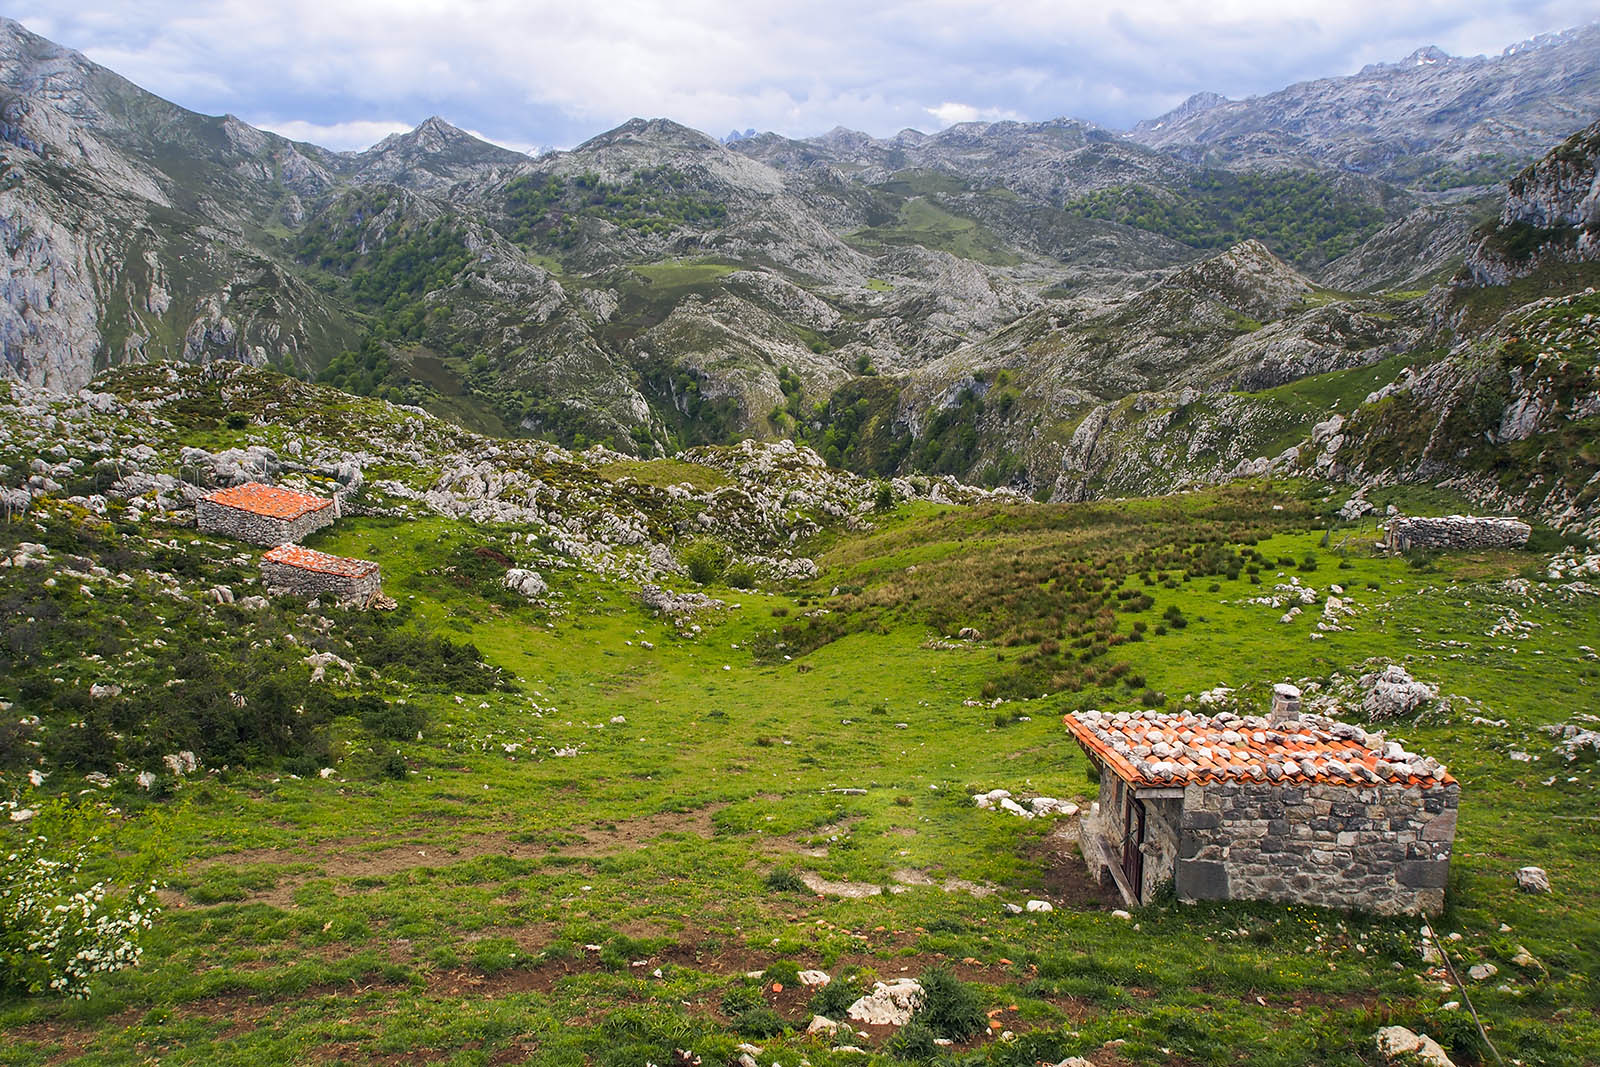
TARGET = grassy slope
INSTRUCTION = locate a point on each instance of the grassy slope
(445, 917)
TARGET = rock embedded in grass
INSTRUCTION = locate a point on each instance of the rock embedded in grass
(1533, 880)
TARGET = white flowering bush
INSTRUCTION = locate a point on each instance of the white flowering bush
(59, 926)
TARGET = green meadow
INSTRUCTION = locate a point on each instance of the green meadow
(617, 854)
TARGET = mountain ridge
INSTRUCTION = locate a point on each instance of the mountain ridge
(655, 287)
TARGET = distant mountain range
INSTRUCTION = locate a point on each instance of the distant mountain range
(973, 301)
(1433, 120)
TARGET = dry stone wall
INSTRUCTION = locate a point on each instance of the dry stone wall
(1455, 531)
(304, 582)
(213, 517)
(1381, 848)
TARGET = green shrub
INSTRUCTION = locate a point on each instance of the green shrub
(834, 999)
(914, 1041)
(399, 721)
(784, 880)
(705, 561)
(759, 1022)
(60, 924)
(1458, 1033)
(950, 1007)
(786, 972)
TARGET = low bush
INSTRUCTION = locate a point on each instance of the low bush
(950, 1007)
(59, 925)
(784, 880)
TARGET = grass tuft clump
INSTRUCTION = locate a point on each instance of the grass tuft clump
(950, 1007)
(784, 880)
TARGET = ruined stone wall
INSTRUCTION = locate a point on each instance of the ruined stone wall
(1455, 531)
(303, 582)
(212, 517)
(1378, 848)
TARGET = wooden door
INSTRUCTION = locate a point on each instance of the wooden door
(1132, 842)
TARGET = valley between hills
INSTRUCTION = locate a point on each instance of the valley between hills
(750, 514)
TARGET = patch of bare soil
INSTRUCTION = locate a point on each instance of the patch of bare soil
(889, 952)
(357, 859)
(1066, 876)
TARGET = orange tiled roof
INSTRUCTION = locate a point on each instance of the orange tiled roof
(311, 560)
(272, 501)
(1150, 749)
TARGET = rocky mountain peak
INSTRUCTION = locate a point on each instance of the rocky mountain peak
(1197, 104)
(655, 133)
(435, 136)
(1427, 57)
(1247, 278)
(1427, 119)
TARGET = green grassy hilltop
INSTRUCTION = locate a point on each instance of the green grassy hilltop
(582, 830)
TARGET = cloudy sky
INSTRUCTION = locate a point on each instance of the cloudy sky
(527, 73)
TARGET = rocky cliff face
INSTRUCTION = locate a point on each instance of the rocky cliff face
(1551, 213)
(135, 229)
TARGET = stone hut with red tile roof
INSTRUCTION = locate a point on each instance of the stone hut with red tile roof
(1288, 808)
(263, 514)
(307, 572)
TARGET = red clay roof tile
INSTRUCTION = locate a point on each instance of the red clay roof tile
(270, 501)
(1150, 749)
(310, 559)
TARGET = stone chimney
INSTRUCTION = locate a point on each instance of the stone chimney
(1285, 703)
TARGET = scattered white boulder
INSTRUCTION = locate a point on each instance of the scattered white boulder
(1398, 1045)
(1392, 692)
(889, 1004)
(1481, 972)
(181, 763)
(814, 978)
(1040, 905)
(1027, 808)
(1533, 880)
(526, 582)
(320, 662)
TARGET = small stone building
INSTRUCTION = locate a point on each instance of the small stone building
(263, 514)
(1294, 809)
(307, 572)
(1455, 532)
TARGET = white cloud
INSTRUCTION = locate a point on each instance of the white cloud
(525, 147)
(949, 113)
(341, 136)
(543, 71)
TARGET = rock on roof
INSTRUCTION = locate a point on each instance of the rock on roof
(271, 501)
(1153, 749)
(309, 559)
